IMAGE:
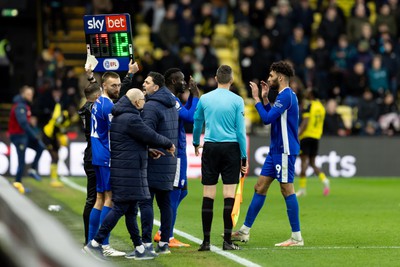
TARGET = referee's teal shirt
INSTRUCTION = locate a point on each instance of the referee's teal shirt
(223, 114)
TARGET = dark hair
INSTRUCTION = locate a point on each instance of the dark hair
(91, 89)
(282, 67)
(224, 74)
(169, 75)
(158, 78)
(109, 74)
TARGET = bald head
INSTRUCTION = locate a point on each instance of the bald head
(136, 97)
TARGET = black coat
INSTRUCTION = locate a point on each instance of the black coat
(160, 114)
(129, 137)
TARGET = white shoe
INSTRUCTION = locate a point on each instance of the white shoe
(326, 188)
(291, 242)
(301, 192)
(108, 251)
(240, 236)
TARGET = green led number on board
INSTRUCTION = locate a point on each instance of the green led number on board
(119, 44)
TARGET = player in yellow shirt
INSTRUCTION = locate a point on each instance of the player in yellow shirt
(310, 132)
(55, 134)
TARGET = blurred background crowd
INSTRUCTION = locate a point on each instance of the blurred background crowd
(348, 51)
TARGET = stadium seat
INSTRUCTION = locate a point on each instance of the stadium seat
(142, 40)
(142, 29)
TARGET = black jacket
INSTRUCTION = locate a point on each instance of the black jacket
(160, 114)
(129, 137)
(85, 115)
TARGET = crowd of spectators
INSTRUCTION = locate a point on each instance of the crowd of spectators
(350, 56)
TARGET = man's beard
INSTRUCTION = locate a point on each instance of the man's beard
(113, 95)
(180, 89)
(273, 93)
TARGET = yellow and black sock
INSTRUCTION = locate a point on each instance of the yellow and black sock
(303, 182)
(53, 171)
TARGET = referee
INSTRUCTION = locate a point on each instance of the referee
(222, 111)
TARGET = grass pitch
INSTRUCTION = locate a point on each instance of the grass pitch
(356, 225)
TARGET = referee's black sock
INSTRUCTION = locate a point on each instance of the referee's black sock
(207, 216)
(228, 206)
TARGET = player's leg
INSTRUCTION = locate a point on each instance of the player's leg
(105, 211)
(304, 157)
(94, 218)
(260, 193)
(108, 204)
(110, 221)
(229, 199)
(230, 172)
(107, 225)
(90, 195)
(173, 242)
(107, 207)
(303, 179)
(210, 174)
(321, 175)
(53, 148)
(286, 179)
(207, 213)
(176, 196)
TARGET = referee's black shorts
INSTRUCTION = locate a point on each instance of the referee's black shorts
(309, 147)
(220, 158)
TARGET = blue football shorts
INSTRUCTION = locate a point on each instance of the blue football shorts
(102, 178)
(279, 167)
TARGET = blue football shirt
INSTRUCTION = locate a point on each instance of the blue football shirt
(100, 131)
(284, 119)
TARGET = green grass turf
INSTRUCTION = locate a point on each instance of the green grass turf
(357, 225)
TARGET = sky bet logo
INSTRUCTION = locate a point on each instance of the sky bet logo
(111, 23)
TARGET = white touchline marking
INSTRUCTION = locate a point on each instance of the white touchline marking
(327, 248)
(76, 186)
(196, 240)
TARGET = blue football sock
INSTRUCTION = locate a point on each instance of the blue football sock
(94, 222)
(292, 207)
(174, 196)
(104, 213)
(255, 206)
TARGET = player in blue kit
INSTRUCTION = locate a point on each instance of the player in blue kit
(86, 113)
(283, 116)
(100, 128)
(175, 82)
